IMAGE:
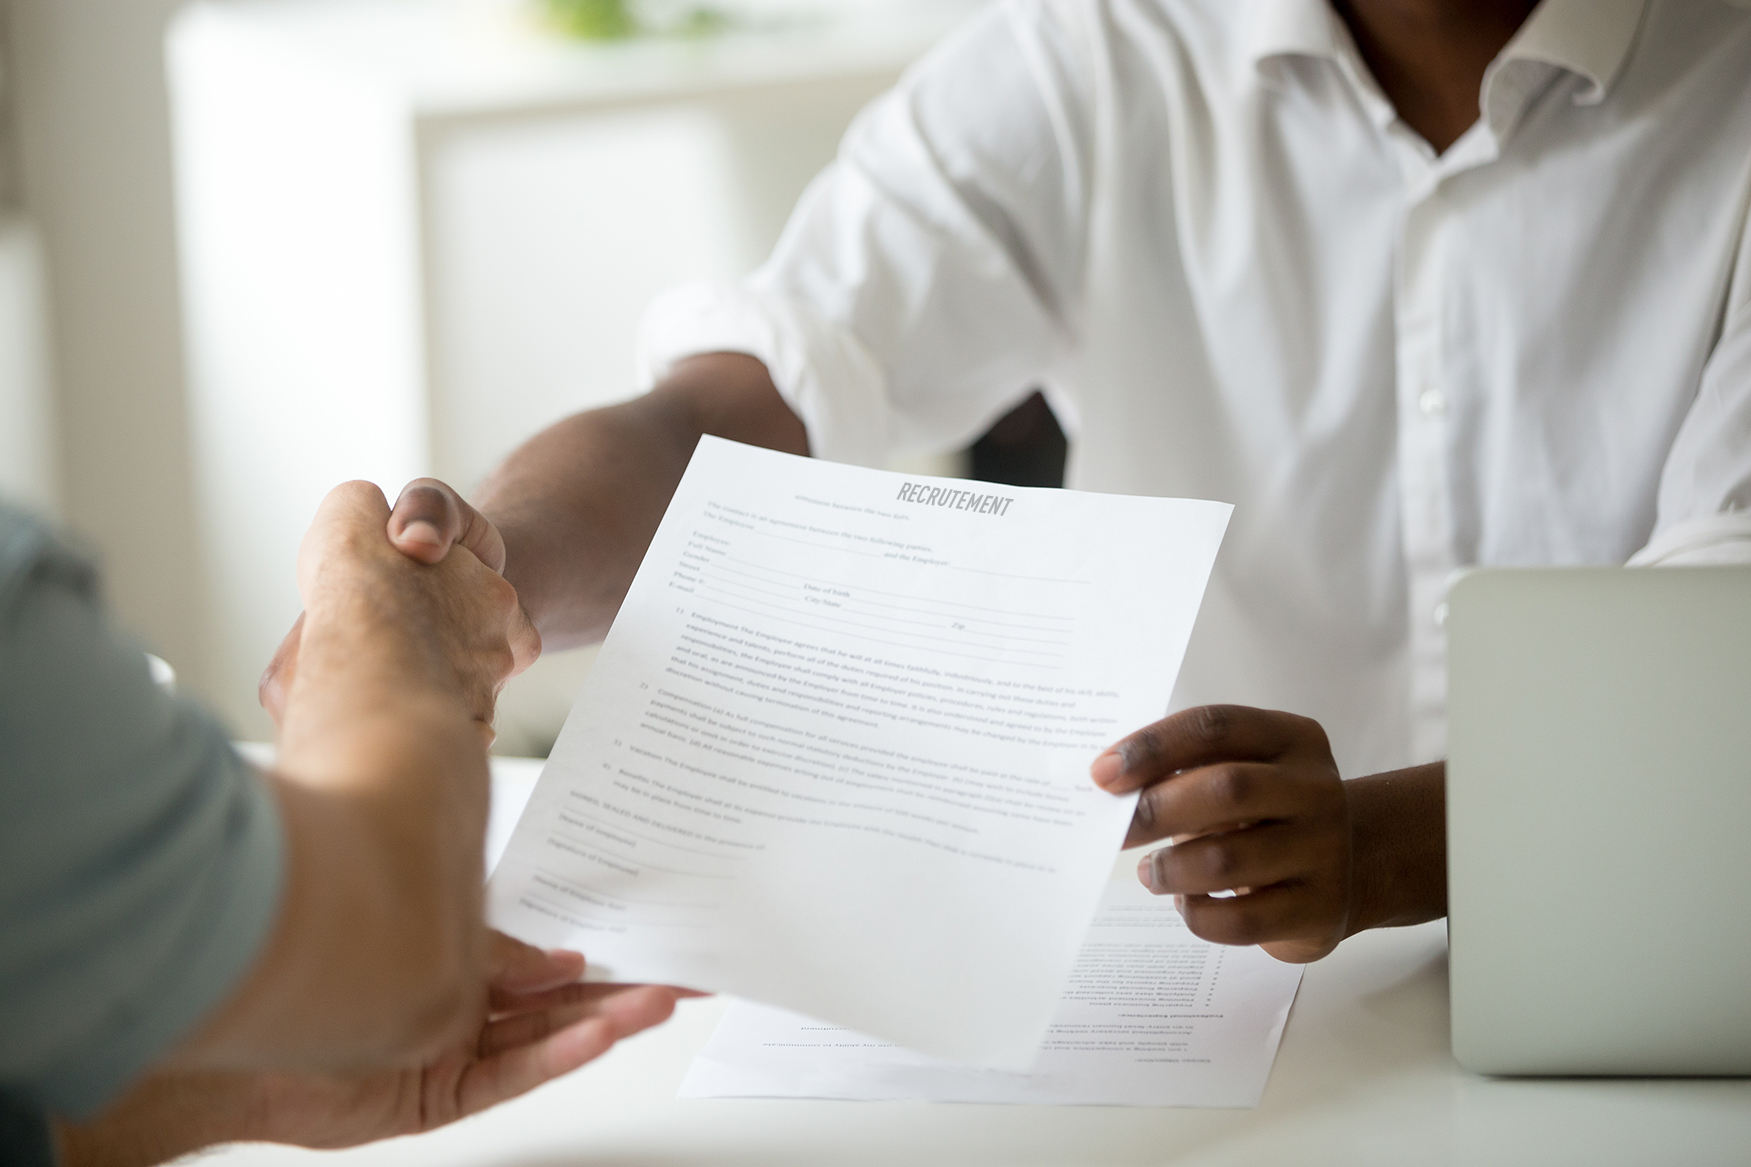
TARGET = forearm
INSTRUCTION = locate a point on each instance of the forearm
(1398, 832)
(376, 952)
(382, 785)
(578, 503)
(383, 772)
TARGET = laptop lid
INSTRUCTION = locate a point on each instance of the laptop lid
(1599, 820)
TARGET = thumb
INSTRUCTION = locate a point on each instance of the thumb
(430, 517)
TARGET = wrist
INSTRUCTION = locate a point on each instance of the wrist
(375, 735)
(1398, 848)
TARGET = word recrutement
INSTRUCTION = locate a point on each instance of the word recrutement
(960, 500)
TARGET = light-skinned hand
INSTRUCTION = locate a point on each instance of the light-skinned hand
(537, 1024)
(429, 520)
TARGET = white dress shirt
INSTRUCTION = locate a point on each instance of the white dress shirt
(1200, 226)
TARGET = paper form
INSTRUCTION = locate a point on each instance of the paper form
(1152, 1016)
(834, 753)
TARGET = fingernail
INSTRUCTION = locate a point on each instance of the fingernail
(1108, 771)
(420, 531)
(1146, 872)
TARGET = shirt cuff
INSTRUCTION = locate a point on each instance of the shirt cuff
(1708, 540)
(825, 374)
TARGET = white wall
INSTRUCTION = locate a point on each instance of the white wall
(29, 452)
(87, 84)
(413, 234)
(89, 100)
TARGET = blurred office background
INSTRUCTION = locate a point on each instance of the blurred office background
(250, 248)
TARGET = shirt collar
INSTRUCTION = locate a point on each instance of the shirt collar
(1278, 32)
(1290, 28)
(1589, 38)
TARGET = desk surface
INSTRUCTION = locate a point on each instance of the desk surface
(1363, 1077)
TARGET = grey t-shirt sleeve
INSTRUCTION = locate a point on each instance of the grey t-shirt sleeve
(140, 857)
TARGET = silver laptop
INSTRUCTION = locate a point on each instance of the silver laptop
(1599, 820)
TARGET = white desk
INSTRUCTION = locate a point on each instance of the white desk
(1364, 1077)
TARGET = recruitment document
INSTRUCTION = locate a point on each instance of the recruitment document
(834, 753)
(1151, 1016)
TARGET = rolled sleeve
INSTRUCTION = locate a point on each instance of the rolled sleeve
(140, 858)
(922, 286)
(824, 373)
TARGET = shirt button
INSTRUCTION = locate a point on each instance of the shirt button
(1432, 402)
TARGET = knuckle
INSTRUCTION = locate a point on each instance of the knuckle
(1310, 732)
(1231, 785)
(1143, 747)
(1147, 815)
(501, 593)
(499, 661)
(1219, 863)
(1211, 724)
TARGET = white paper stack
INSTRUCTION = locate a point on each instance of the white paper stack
(1152, 1016)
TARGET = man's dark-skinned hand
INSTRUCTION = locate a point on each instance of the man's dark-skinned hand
(429, 518)
(1255, 806)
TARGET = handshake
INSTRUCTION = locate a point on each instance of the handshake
(432, 565)
(381, 1004)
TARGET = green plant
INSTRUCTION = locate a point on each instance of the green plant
(597, 20)
(607, 20)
